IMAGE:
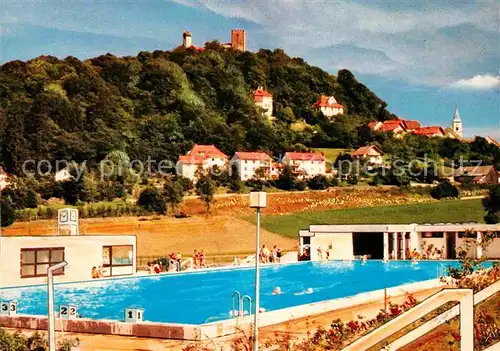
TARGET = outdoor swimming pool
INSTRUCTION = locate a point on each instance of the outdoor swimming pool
(202, 297)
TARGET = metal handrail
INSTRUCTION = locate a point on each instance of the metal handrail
(249, 299)
(237, 295)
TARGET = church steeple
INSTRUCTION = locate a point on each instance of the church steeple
(457, 123)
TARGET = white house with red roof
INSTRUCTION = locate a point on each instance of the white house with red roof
(432, 131)
(4, 179)
(264, 100)
(308, 164)
(328, 106)
(203, 157)
(372, 153)
(247, 163)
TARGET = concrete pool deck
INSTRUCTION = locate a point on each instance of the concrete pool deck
(297, 328)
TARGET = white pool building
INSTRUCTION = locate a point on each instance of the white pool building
(394, 241)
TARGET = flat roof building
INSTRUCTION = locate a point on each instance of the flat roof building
(394, 241)
(24, 260)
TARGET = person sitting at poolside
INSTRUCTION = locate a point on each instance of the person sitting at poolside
(156, 268)
(94, 274)
(236, 261)
(99, 272)
(414, 260)
(278, 254)
(277, 291)
(320, 252)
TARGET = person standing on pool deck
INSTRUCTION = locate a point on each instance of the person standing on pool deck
(195, 258)
(201, 259)
(278, 254)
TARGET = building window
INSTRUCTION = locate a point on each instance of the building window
(117, 258)
(35, 262)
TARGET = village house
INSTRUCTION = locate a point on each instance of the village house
(264, 100)
(432, 131)
(3, 179)
(395, 126)
(477, 175)
(62, 175)
(328, 106)
(247, 164)
(372, 153)
(204, 157)
(306, 164)
(411, 125)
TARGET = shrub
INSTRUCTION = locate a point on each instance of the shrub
(492, 205)
(445, 190)
(318, 182)
(7, 214)
(300, 185)
(152, 200)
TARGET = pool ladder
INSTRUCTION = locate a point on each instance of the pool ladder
(241, 304)
(441, 270)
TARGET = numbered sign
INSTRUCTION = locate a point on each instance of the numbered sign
(72, 312)
(4, 308)
(64, 311)
(134, 315)
(12, 308)
(8, 308)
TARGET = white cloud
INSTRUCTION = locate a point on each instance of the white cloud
(478, 82)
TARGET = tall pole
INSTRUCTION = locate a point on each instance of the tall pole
(257, 284)
(50, 293)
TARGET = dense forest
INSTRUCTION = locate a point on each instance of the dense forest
(159, 104)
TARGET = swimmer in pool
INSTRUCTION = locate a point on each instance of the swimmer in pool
(414, 261)
(277, 291)
(309, 291)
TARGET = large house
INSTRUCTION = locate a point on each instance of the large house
(432, 131)
(477, 175)
(306, 164)
(328, 106)
(264, 100)
(372, 153)
(3, 179)
(201, 157)
(247, 164)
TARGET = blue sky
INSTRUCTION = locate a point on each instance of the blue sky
(420, 56)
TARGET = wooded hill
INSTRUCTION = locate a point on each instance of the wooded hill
(159, 104)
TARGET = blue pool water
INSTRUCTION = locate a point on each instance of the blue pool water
(202, 297)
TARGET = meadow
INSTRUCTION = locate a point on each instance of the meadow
(444, 211)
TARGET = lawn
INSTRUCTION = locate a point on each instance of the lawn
(433, 212)
(331, 154)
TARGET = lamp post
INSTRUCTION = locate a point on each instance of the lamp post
(258, 201)
(50, 293)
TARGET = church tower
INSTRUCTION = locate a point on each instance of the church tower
(456, 125)
(187, 41)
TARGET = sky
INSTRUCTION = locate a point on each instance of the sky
(421, 56)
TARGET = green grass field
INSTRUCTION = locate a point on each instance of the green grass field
(432, 212)
(331, 154)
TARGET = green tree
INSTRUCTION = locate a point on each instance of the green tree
(205, 188)
(234, 180)
(286, 179)
(152, 200)
(7, 213)
(173, 191)
(492, 205)
(318, 182)
(32, 199)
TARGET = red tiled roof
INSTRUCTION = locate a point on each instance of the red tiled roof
(362, 151)
(191, 159)
(207, 150)
(262, 156)
(390, 125)
(429, 131)
(305, 156)
(372, 124)
(259, 94)
(323, 102)
(410, 124)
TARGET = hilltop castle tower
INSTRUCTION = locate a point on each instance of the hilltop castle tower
(239, 39)
(187, 40)
(456, 125)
